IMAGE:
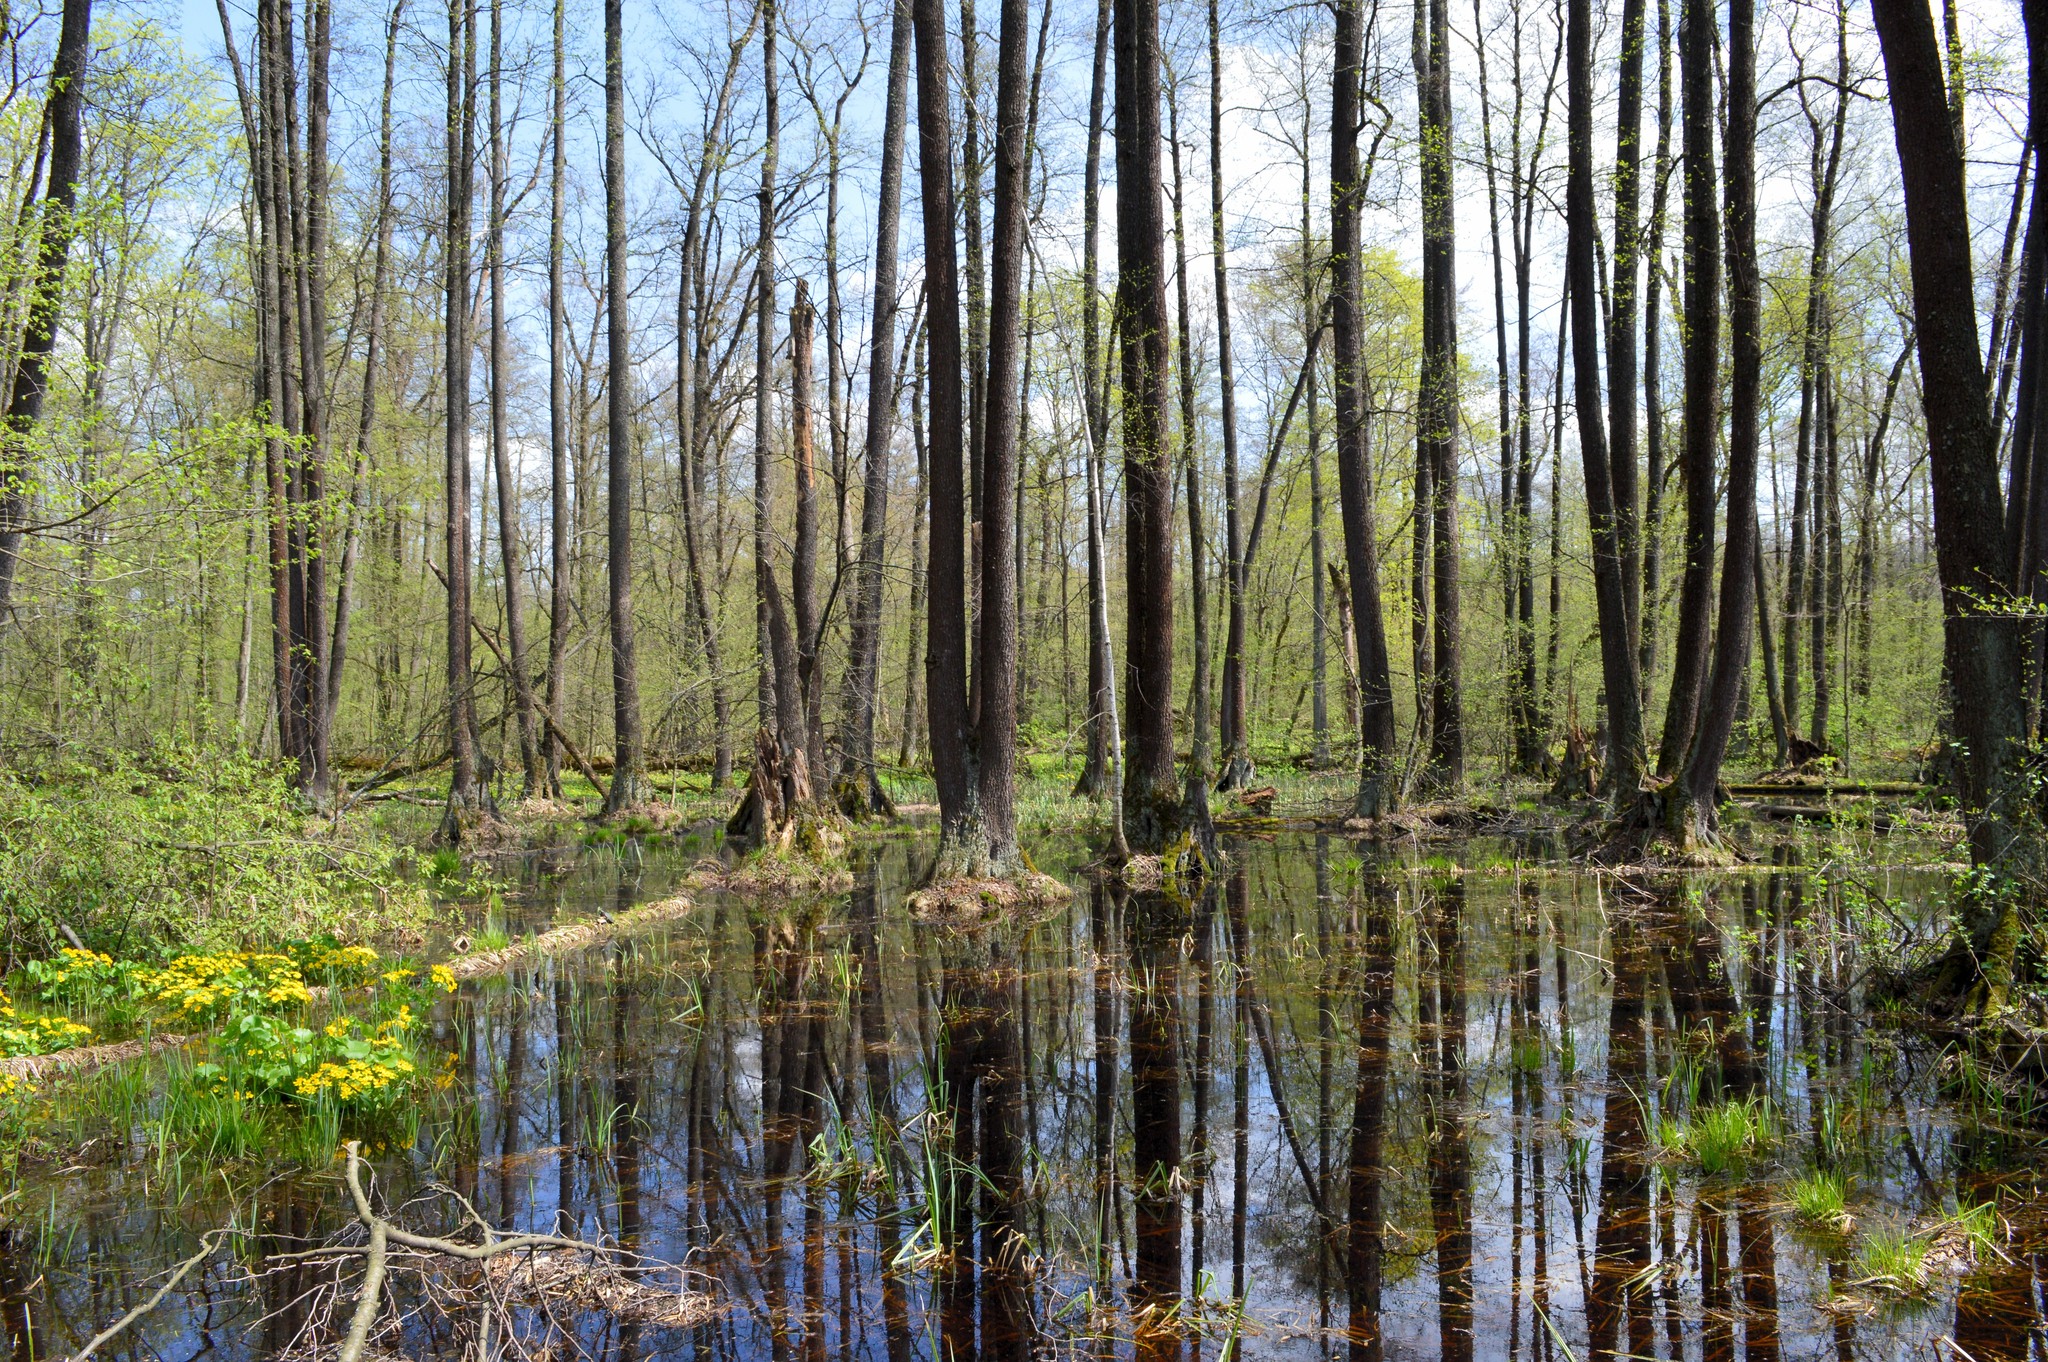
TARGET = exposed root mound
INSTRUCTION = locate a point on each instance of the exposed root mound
(1442, 820)
(541, 809)
(1643, 834)
(970, 901)
(770, 874)
(568, 1279)
(1188, 860)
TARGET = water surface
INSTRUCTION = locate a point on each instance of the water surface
(1339, 1105)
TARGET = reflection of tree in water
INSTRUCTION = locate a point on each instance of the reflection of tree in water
(1437, 1127)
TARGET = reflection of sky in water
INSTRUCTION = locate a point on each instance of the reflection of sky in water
(731, 1032)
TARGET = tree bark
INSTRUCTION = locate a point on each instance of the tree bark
(1653, 367)
(1690, 813)
(803, 567)
(509, 514)
(1152, 813)
(860, 781)
(1437, 400)
(1378, 775)
(996, 649)
(1622, 338)
(1095, 766)
(1198, 579)
(945, 592)
(1981, 645)
(561, 598)
(466, 794)
(628, 780)
(1617, 651)
(1235, 730)
(1702, 384)
(373, 339)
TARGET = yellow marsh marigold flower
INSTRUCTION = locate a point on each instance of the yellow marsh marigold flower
(443, 978)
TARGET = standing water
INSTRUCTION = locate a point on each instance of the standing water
(1333, 1105)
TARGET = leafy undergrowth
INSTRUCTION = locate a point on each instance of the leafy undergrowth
(313, 1037)
(202, 849)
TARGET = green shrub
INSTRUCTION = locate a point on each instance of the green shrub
(194, 849)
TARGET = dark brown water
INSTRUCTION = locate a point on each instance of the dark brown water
(1337, 1106)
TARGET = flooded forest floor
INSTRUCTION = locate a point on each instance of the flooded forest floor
(1453, 1095)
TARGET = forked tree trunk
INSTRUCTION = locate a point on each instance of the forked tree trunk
(1689, 814)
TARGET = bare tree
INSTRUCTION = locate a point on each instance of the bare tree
(1152, 799)
(628, 781)
(1702, 267)
(1378, 776)
(1617, 653)
(860, 782)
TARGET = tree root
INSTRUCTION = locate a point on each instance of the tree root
(971, 900)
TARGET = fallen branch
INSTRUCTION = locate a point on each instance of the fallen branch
(207, 1244)
(605, 1286)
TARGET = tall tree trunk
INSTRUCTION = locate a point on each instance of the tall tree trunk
(696, 424)
(1702, 384)
(976, 286)
(1531, 735)
(1151, 798)
(315, 776)
(1378, 775)
(996, 649)
(1097, 761)
(945, 591)
(373, 339)
(1690, 814)
(561, 597)
(803, 567)
(1617, 650)
(913, 655)
(628, 781)
(466, 794)
(1235, 730)
(1653, 366)
(1622, 339)
(1198, 581)
(1503, 390)
(509, 513)
(1437, 404)
(1981, 647)
(861, 786)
